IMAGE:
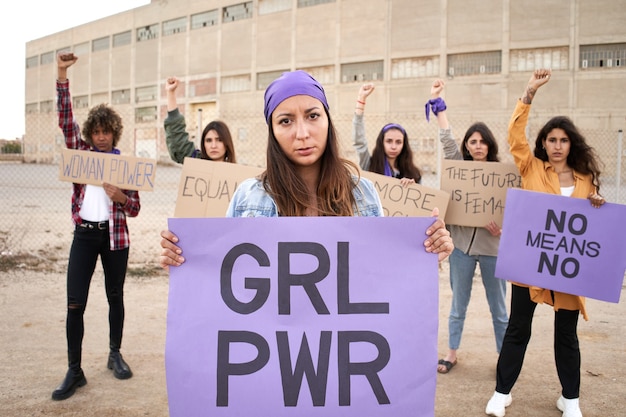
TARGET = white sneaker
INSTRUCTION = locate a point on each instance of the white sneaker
(497, 404)
(570, 408)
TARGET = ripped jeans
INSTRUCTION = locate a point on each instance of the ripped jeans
(87, 245)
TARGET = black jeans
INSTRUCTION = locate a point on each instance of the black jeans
(87, 245)
(517, 336)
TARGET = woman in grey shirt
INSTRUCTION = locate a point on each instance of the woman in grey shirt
(473, 245)
(392, 156)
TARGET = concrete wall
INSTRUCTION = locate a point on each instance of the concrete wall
(332, 34)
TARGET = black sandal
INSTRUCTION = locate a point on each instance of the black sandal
(449, 365)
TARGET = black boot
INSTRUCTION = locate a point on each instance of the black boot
(74, 378)
(121, 370)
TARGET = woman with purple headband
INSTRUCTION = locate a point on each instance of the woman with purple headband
(305, 176)
(392, 155)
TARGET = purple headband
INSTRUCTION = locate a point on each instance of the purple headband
(291, 84)
(393, 126)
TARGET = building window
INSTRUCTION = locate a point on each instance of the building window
(204, 19)
(202, 87)
(32, 108)
(81, 49)
(47, 58)
(120, 96)
(148, 93)
(237, 12)
(603, 56)
(273, 6)
(145, 114)
(236, 83)
(324, 75)
(475, 63)
(531, 59)
(46, 106)
(64, 50)
(362, 71)
(100, 44)
(121, 39)
(100, 98)
(263, 79)
(32, 62)
(307, 3)
(174, 26)
(414, 67)
(80, 102)
(148, 32)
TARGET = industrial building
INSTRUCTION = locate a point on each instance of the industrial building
(226, 53)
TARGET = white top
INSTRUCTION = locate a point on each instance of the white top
(95, 207)
(567, 191)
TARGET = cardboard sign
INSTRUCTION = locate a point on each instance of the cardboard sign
(125, 172)
(563, 244)
(206, 187)
(302, 316)
(415, 200)
(477, 190)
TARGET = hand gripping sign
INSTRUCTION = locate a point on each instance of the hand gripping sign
(563, 244)
(302, 316)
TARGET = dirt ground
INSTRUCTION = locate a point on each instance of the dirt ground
(32, 334)
(34, 359)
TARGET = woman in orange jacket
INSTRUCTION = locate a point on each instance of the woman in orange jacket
(562, 163)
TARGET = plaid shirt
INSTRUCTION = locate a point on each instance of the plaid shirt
(118, 229)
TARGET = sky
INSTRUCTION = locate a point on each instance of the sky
(21, 25)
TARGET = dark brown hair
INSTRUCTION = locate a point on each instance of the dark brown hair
(487, 135)
(404, 161)
(581, 158)
(105, 118)
(334, 190)
(223, 133)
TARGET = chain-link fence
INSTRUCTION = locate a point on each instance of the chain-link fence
(35, 221)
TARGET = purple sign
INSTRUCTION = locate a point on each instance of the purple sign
(302, 316)
(563, 244)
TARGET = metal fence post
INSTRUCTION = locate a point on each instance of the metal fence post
(199, 137)
(618, 170)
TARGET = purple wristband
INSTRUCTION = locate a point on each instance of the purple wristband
(436, 105)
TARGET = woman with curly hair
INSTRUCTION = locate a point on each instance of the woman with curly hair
(99, 215)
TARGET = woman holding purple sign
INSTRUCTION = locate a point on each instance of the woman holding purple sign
(392, 155)
(305, 175)
(562, 163)
(473, 245)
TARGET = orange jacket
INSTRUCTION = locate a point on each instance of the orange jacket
(539, 175)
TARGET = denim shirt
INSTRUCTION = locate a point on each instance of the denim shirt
(251, 200)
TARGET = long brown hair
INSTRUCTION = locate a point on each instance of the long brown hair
(404, 161)
(488, 138)
(334, 189)
(582, 158)
(223, 133)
